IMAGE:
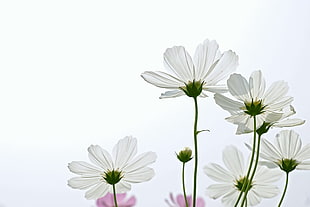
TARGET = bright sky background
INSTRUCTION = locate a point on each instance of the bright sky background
(70, 77)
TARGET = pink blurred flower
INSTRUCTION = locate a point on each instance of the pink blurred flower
(108, 200)
(179, 201)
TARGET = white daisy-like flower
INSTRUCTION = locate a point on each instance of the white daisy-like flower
(193, 76)
(253, 100)
(232, 179)
(287, 152)
(274, 120)
(120, 169)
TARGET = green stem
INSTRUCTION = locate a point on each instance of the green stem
(284, 191)
(183, 184)
(114, 194)
(254, 169)
(244, 186)
(196, 151)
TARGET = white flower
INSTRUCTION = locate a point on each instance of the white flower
(231, 179)
(121, 169)
(275, 120)
(254, 100)
(192, 77)
(287, 152)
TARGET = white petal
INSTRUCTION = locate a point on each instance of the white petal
(279, 104)
(288, 143)
(252, 198)
(257, 85)
(304, 153)
(206, 54)
(122, 187)
(97, 191)
(222, 68)
(233, 107)
(100, 157)
(289, 123)
(83, 168)
(218, 173)
(83, 182)
(217, 190)
(172, 94)
(179, 61)
(305, 165)
(269, 152)
(230, 198)
(162, 80)
(233, 160)
(124, 151)
(140, 175)
(215, 89)
(238, 87)
(140, 161)
(264, 175)
(275, 92)
(266, 191)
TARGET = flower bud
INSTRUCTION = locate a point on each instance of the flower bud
(185, 155)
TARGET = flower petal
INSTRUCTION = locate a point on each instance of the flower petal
(217, 190)
(162, 80)
(266, 191)
(215, 89)
(206, 54)
(97, 191)
(304, 153)
(180, 62)
(140, 162)
(172, 94)
(121, 187)
(252, 198)
(305, 165)
(269, 152)
(289, 123)
(124, 151)
(140, 175)
(218, 173)
(233, 160)
(227, 63)
(233, 107)
(238, 86)
(83, 168)
(100, 157)
(276, 91)
(257, 84)
(289, 143)
(83, 182)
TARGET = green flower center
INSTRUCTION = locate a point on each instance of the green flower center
(243, 181)
(254, 108)
(287, 165)
(192, 88)
(112, 176)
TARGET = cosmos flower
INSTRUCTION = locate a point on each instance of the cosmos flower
(253, 100)
(287, 152)
(108, 200)
(192, 77)
(233, 178)
(179, 201)
(120, 169)
(274, 120)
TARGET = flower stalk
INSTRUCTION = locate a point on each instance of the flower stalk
(114, 195)
(196, 152)
(285, 189)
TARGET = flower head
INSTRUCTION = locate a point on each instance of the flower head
(192, 77)
(185, 155)
(179, 201)
(234, 177)
(253, 100)
(120, 169)
(287, 152)
(108, 200)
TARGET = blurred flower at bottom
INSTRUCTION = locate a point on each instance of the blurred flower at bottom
(108, 200)
(179, 201)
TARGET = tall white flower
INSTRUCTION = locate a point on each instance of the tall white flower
(193, 76)
(287, 152)
(253, 100)
(120, 169)
(234, 177)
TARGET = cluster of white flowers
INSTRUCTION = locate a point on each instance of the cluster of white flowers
(255, 110)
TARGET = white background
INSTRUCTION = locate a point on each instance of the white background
(70, 77)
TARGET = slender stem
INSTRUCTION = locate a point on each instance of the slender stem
(183, 183)
(254, 169)
(196, 152)
(114, 194)
(284, 191)
(244, 186)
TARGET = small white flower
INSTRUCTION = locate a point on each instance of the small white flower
(275, 120)
(287, 152)
(121, 169)
(253, 100)
(231, 179)
(192, 77)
